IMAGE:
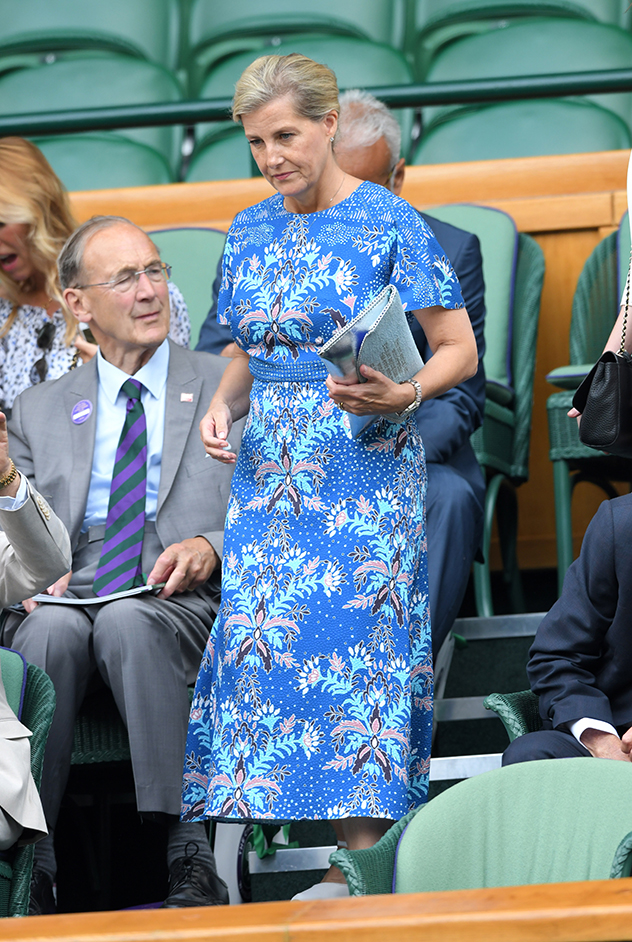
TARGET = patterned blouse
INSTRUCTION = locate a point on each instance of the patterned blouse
(19, 350)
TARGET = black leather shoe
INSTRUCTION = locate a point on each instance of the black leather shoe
(194, 884)
(42, 901)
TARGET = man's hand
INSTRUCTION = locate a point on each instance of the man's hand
(605, 745)
(5, 461)
(57, 589)
(184, 566)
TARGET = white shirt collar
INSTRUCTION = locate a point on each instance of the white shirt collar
(153, 375)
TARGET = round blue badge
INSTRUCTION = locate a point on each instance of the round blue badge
(81, 411)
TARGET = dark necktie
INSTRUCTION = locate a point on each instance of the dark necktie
(120, 563)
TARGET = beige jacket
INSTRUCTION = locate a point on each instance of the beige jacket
(34, 553)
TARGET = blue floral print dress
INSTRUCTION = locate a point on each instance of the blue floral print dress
(314, 696)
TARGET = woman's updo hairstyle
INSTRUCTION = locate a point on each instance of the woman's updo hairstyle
(312, 86)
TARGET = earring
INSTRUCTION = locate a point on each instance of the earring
(331, 139)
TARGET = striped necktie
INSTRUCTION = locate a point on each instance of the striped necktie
(120, 563)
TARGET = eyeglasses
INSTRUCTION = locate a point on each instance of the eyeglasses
(45, 337)
(128, 280)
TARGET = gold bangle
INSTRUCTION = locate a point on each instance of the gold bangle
(10, 477)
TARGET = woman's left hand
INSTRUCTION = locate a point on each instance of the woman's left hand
(378, 396)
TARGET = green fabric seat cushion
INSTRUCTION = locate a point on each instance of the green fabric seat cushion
(550, 821)
(498, 237)
(13, 667)
(569, 377)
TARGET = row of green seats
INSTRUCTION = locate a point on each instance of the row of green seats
(519, 129)
(190, 36)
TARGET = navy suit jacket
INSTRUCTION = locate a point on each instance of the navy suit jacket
(581, 660)
(446, 422)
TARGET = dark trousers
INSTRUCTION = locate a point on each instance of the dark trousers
(453, 530)
(545, 744)
(145, 649)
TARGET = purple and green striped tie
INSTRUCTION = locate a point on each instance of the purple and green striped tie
(120, 563)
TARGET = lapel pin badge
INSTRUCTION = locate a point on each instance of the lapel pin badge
(81, 411)
(186, 397)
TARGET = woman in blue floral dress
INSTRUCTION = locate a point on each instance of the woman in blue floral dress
(314, 697)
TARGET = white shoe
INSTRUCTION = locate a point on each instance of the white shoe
(324, 891)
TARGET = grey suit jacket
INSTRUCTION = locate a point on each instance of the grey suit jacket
(34, 550)
(56, 454)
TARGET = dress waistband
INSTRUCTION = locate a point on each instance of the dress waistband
(308, 371)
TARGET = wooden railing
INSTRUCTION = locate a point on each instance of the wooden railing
(599, 911)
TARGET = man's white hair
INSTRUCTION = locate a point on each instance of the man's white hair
(364, 120)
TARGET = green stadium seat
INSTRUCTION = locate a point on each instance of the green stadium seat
(440, 22)
(215, 28)
(146, 28)
(538, 47)
(103, 161)
(522, 129)
(97, 82)
(356, 62)
(224, 157)
(193, 254)
(595, 308)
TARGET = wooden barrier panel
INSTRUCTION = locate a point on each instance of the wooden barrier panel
(599, 911)
(567, 203)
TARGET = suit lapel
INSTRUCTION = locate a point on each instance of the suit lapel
(183, 393)
(85, 388)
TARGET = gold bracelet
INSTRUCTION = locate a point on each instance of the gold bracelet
(10, 477)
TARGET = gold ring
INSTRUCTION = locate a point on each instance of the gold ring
(341, 406)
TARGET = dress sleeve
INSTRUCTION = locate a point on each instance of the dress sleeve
(421, 270)
(225, 297)
(180, 327)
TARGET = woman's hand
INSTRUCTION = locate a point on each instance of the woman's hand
(378, 396)
(214, 429)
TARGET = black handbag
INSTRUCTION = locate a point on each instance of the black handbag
(605, 399)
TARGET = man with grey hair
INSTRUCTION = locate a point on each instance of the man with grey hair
(367, 145)
(128, 475)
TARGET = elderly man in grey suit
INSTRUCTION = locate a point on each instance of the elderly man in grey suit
(34, 551)
(115, 446)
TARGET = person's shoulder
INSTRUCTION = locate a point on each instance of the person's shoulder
(619, 510)
(438, 226)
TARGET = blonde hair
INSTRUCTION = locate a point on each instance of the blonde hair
(312, 86)
(31, 193)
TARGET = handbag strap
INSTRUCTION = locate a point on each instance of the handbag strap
(627, 306)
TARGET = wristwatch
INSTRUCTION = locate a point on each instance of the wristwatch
(416, 401)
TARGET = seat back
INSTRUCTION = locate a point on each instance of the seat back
(223, 157)
(13, 674)
(534, 822)
(103, 161)
(193, 254)
(379, 20)
(498, 237)
(441, 22)
(522, 129)
(146, 28)
(96, 82)
(356, 62)
(538, 46)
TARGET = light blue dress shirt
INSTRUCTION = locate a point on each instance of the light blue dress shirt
(14, 503)
(111, 407)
